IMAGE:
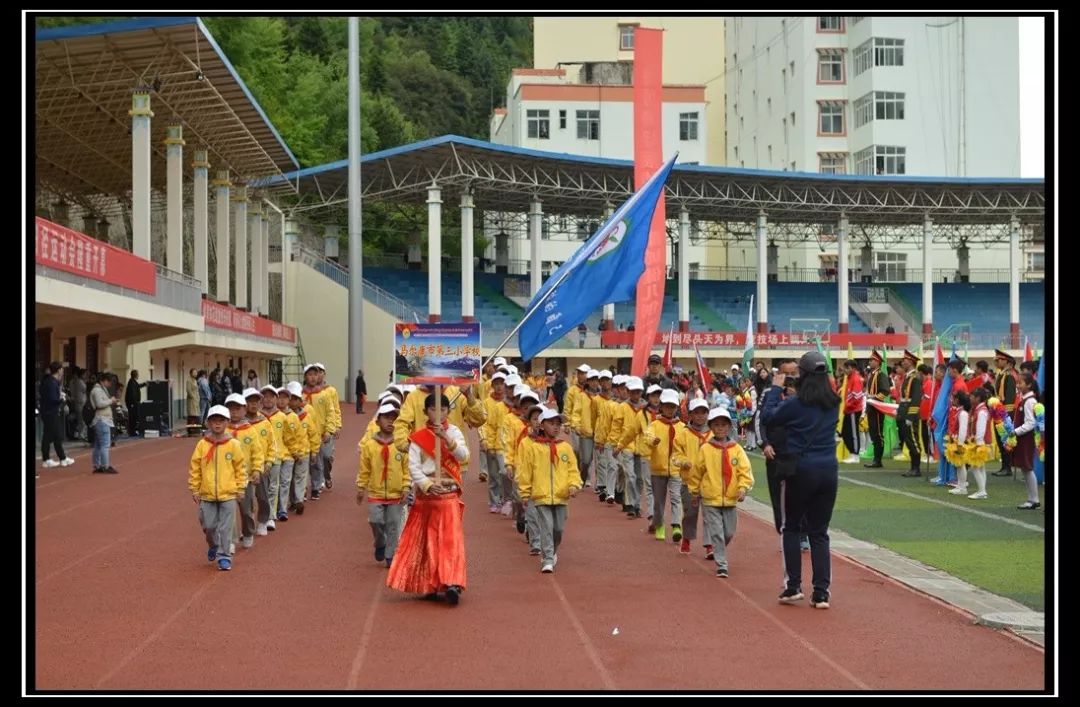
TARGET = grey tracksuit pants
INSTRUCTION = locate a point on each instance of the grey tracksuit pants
(217, 519)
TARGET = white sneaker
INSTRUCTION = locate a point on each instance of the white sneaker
(548, 568)
(50, 463)
(554, 560)
(68, 461)
(247, 541)
(271, 525)
(232, 548)
(260, 529)
(588, 484)
(978, 495)
(958, 491)
(852, 460)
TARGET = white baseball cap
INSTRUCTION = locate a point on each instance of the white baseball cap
(283, 389)
(512, 369)
(593, 373)
(606, 374)
(635, 383)
(734, 366)
(513, 380)
(251, 393)
(218, 411)
(384, 395)
(386, 409)
(669, 397)
(269, 387)
(319, 366)
(236, 398)
(719, 412)
(500, 376)
(618, 379)
(528, 394)
(309, 367)
(654, 388)
(698, 403)
(295, 388)
(549, 414)
(498, 361)
(584, 368)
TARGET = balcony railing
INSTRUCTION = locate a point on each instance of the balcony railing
(172, 289)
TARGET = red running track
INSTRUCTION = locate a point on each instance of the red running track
(125, 599)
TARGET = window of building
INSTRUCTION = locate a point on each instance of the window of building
(688, 125)
(830, 66)
(537, 124)
(831, 118)
(832, 162)
(890, 267)
(1036, 261)
(881, 159)
(888, 105)
(693, 270)
(626, 38)
(879, 51)
(588, 125)
(864, 110)
(830, 24)
(562, 120)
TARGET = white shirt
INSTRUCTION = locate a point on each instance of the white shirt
(962, 422)
(422, 467)
(1029, 415)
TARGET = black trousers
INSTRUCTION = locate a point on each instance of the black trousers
(850, 432)
(776, 499)
(52, 433)
(133, 419)
(909, 437)
(876, 422)
(808, 500)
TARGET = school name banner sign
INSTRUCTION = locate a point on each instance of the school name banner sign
(443, 353)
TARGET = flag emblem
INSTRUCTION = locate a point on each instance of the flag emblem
(611, 240)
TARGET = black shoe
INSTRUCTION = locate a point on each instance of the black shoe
(1002, 472)
(299, 508)
(875, 465)
(819, 599)
(453, 595)
(329, 483)
(520, 525)
(315, 495)
(619, 497)
(601, 494)
(912, 472)
(721, 573)
(380, 554)
(790, 596)
(430, 596)
(637, 512)
(1028, 506)
(630, 512)
(99, 470)
(109, 470)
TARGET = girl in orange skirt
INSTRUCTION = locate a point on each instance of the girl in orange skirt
(431, 553)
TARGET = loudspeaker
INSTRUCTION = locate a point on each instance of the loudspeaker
(150, 414)
(157, 391)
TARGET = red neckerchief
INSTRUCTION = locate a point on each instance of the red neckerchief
(552, 444)
(702, 436)
(302, 414)
(671, 430)
(214, 444)
(311, 390)
(239, 426)
(725, 463)
(385, 453)
(425, 439)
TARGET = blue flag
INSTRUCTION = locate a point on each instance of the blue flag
(604, 270)
(1040, 376)
(940, 412)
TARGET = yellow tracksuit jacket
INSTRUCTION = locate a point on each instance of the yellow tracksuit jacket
(543, 480)
(223, 476)
(383, 480)
(659, 459)
(706, 477)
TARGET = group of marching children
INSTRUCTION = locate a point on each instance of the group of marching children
(256, 458)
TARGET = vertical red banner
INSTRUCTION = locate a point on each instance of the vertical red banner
(648, 157)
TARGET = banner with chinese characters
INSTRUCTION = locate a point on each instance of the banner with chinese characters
(443, 353)
(777, 340)
(222, 316)
(64, 249)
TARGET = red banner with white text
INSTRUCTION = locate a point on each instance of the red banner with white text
(61, 248)
(736, 339)
(222, 316)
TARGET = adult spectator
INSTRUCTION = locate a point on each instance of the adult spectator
(51, 407)
(890, 330)
(253, 379)
(810, 494)
(656, 374)
(205, 395)
(582, 330)
(237, 382)
(559, 389)
(361, 392)
(192, 389)
(102, 401)
(78, 401)
(217, 389)
(132, 398)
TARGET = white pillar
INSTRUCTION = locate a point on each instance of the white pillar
(1014, 282)
(536, 220)
(254, 221)
(290, 236)
(264, 259)
(842, 273)
(762, 275)
(927, 278)
(684, 270)
(331, 242)
(174, 174)
(201, 265)
(608, 314)
(434, 251)
(221, 206)
(140, 172)
(467, 300)
(241, 254)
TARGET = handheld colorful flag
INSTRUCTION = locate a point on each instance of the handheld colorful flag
(748, 347)
(1029, 355)
(666, 363)
(703, 372)
(606, 269)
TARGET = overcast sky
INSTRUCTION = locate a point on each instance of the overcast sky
(1032, 96)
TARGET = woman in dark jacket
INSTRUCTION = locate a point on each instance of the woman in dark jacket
(809, 496)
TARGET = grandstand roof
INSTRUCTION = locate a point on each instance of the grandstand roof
(507, 178)
(84, 78)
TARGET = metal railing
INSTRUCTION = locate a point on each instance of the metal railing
(372, 292)
(901, 307)
(172, 289)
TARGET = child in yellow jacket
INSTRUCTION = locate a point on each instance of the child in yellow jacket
(664, 475)
(688, 442)
(255, 521)
(383, 479)
(719, 479)
(217, 478)
(492, 444)
(294, 444)
(547, 477)
(310, 440)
